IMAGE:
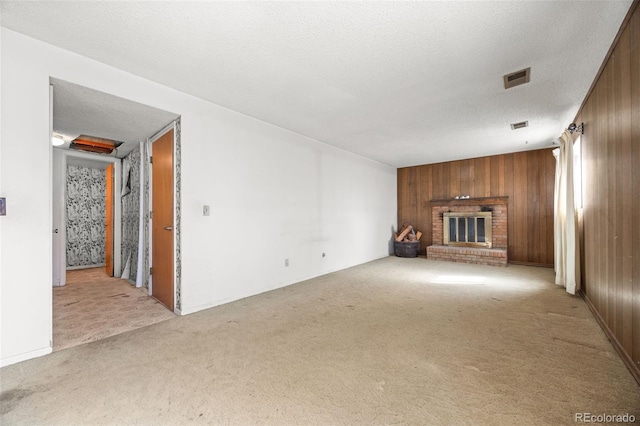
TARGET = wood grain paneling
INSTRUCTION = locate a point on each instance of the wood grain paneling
(634, 65)
(527, 178)
(611, 181)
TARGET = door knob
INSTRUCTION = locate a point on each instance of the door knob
(168, 228)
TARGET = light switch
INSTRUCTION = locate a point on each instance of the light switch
(206, 210)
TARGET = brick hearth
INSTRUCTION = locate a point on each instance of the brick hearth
(495, 256)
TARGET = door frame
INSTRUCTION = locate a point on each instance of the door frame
(60, 161)
(150, 141)
(110, 181)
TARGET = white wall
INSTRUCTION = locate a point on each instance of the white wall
(25, 167)
(273, 194)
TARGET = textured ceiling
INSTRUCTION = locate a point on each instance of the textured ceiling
(78, 110)
(403, 83)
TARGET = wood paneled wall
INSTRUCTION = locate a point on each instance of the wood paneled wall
(611, 206)
(527, 178)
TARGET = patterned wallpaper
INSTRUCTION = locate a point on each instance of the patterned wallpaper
(85, 204)
(131, 215)
(178, 171)
(147, 209)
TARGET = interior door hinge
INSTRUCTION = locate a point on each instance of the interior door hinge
(151, 160)
(151, 215)
(151, 271)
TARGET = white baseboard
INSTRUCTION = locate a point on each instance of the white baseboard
(25, 356)
(187, 311)
(194, 309)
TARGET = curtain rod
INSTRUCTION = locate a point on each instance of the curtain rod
(576, 128)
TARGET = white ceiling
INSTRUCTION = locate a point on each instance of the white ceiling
(403, 83)
(78, 110)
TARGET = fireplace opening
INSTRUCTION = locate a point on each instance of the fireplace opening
(470, 229)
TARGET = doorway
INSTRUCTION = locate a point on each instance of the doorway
(109, 202)
(100, 295)
(88, 304)
(85, 176)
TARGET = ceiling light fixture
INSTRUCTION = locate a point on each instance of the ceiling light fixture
(57, 140)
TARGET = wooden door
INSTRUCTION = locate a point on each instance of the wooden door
(162, 249)
(108, 249)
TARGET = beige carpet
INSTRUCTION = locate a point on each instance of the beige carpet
(93, 306)
(395, 341)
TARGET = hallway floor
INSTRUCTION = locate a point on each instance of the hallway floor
(93, 306)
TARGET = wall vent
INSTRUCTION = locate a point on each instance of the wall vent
(520, 125)
(517, 78)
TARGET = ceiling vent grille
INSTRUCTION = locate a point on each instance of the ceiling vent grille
(520, 125)
(93, 144)
(517, 78)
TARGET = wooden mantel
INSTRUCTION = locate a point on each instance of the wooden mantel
(479, 201)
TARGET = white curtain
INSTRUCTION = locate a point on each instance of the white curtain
(565, 229)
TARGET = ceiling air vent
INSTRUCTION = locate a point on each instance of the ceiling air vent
(520, 125)
(93, 144)
(517, 78)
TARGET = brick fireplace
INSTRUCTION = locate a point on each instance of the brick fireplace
(468, 247)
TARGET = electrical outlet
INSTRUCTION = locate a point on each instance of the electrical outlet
(286, 263)
(206, 210)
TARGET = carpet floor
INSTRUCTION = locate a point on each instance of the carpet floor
(394, 341)
(93, 306)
